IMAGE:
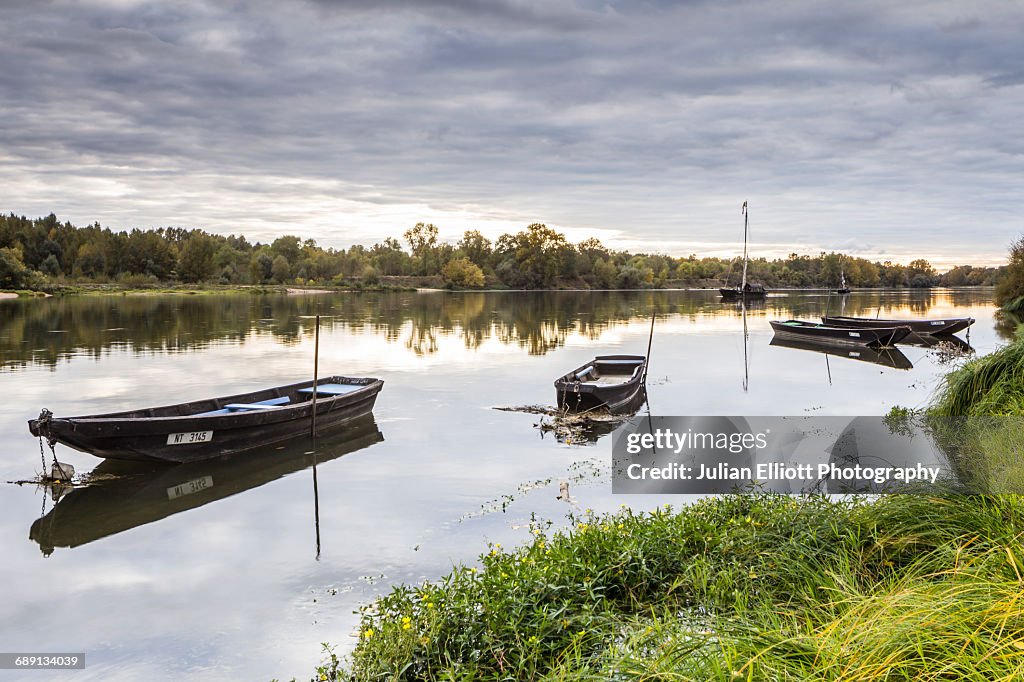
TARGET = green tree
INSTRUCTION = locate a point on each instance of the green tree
(531, 258)
(13, 273)
(288, 246)
(261, 266)
(475, 247)
(422, 239)
(195, 262)
(280, 270)
(920, 273)
(90, 260)
(462, 272)
(1010, 291)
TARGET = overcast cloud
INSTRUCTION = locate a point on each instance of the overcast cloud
(888, 130)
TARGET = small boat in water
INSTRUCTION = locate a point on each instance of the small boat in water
(949, 325)
(214, 427)
(125, 495)
(611, 381)
(878, 336)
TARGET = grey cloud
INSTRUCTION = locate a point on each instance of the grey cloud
(618, 116)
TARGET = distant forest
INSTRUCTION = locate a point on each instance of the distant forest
(46, 254)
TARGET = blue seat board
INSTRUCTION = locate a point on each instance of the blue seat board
(332, 389)
(238, 407)
(233, 407)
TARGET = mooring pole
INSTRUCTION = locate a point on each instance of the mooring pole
(650, 340)
(316, 368)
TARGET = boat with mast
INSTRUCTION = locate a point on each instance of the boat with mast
(843, 287)
(745, 291)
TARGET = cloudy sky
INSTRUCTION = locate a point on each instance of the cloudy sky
(882, 129)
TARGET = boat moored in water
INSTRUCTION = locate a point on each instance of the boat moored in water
(877, 336)
(611, 381)
(214, 427)
(949, 325)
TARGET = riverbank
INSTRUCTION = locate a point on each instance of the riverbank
(916, 586)
(736, 587)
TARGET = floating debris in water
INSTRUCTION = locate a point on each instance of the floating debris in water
(571, 428)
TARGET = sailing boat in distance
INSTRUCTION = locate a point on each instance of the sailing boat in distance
(745, 291)
(843, 287)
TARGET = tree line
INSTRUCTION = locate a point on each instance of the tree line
(44, 253)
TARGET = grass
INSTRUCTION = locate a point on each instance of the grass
(925, 586)
(737, 587)
(992, 384)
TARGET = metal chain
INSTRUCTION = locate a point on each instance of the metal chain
(42, 456)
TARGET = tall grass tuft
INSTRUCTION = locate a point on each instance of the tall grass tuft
(992, 384)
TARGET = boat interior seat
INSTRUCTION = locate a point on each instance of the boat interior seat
(240, 407)
(332, 389)
(586, 373)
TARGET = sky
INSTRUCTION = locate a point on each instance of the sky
(887, 130)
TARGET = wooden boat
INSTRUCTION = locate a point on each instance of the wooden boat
(745, 291)
(124, 495)
(611, 381)
(216, 426)
(949, 325)
(875, 336)
(886, 357)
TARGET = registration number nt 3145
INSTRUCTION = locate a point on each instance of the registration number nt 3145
(189, 437)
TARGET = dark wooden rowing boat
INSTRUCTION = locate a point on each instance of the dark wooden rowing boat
(216, 426)
(125, 495)
(876, 336)
(949, 325)
(886, 357)
(611, 381)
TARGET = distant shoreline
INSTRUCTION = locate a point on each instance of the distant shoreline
(114, 289)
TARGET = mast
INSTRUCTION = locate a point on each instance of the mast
(746, 217)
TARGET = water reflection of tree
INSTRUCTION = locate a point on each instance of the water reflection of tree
(45, 331)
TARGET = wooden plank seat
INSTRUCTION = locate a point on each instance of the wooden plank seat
(619, 362)
(332, 389)
(244, 407)
(582, 374)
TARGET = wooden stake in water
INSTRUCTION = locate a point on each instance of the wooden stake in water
(316, 368)
(650, 340)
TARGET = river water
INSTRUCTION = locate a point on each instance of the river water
(236, 571)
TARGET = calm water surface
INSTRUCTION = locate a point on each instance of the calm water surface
(213, 571)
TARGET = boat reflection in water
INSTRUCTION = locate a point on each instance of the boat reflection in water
(887, 357)
(124, 494)
(948, 342)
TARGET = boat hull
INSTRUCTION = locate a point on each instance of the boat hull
(934, 327)
(582, 390)
(876, 336)
(204, 429)
(752, 292)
